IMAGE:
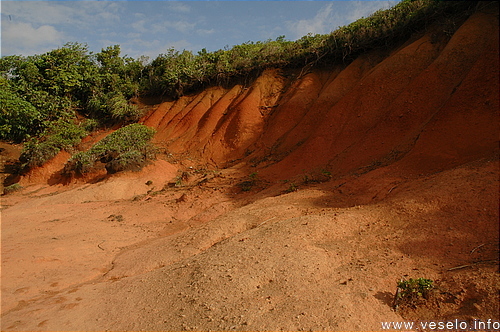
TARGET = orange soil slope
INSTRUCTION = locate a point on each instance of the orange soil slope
(428, 106)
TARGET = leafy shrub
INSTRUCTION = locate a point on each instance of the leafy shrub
(58, 136)
(18, 118)
(66, 135)
(292, 188)
(128, 148)
(90, 125)
(51, 107)
(113, 107)
(69, 79)
(36, 153)
(81, 162)
(120, 110)
(415, 287)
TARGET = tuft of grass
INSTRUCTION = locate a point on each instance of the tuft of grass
(12, 188)
(293, 187)
(326, 173)
(178, 181)
(247, 185)
(120, 109)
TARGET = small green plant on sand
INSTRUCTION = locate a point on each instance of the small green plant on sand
(247, 185)
(410, 292)
(326, 173)
(178, 181)
(12, 188)
(293, 187)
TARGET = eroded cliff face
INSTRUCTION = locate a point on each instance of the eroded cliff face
(429, 105)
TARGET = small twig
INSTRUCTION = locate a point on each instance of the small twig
(266, 221)
(484, 244)
(395, 302)
(99, 245)
(391, 189)
(475, 263)
(479, 246)
(459, 267)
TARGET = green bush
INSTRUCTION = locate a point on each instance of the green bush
(81, 162)
(36, 153)
(58, 136)
(128, 148)
(90, 125)
(18, 118)
(113, 108)
(120, 110)
(64, 81)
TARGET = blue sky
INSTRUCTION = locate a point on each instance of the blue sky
(152, 27)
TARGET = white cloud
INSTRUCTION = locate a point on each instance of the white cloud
(82, 13)
(92, 13)
(139, 26)
(366, 8)
(108, 17)
(164, 26)
(181, 26)
(133, 35)
(336, 14)
(205, 32)
(23, 38)
(38, 12)
(35, 27)
(179, 7)
(321, 23)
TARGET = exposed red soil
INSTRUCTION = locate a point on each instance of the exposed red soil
(293, 203)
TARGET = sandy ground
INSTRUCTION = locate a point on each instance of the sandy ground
(208, 256)
(288, 204)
